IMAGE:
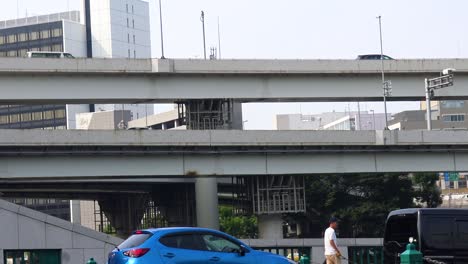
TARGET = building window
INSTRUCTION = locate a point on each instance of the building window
(60, 113)
(134, 54)
(453, 118)
(4, 119)
(57, 32)
(127, 8)
(2, 40)
(453, 104)
(57, 47)
(37, 116)
(129, 53)
(133, 10)
(23, 37)
(45, 34)
(34, 35)
(11, 38)
(22, 52)
(12, 53)
(133, 22)
(128, 37)
(48, 114)
(128, 22)
(134, 39)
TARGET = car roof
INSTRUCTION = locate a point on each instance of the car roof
(437, 211)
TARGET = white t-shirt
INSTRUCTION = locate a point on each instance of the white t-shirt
(329, 235)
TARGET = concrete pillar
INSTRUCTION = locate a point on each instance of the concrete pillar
(75, 212)
(206, 196)
(270, 226)
(237, 119)
(124, 212)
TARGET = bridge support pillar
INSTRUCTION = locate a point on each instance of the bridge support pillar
(270, 226)
(124, 212)
(206, 195)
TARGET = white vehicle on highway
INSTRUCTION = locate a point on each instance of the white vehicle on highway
(49, 55)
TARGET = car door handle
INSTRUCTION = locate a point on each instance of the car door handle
(216, 259)
(169, 255)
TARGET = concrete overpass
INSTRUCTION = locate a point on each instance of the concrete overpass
(118, 167)
(61, 81)
(152, 156)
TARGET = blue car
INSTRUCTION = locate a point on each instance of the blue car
(188, 246)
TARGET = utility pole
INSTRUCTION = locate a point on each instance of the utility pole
(202, 19)
(219, 40)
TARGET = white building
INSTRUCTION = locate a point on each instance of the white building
(332, 121)
(120, 29)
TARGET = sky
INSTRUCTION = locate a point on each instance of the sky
(297, 29)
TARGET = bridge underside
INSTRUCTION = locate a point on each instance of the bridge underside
(82, 88)
(189, 166)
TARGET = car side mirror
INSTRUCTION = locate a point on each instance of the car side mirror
(242, 251)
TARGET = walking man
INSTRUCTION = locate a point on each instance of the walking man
(332, 253)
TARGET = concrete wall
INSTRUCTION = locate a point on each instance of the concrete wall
(74, 38)
(23, 228)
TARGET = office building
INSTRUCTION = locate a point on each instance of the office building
(364, 120)
(102, 29)
(444, 115)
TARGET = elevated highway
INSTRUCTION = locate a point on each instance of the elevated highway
(60, 81)
(28, 156)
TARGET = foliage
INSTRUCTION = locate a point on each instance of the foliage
(426, 190)
(238, 226)
(362, 202)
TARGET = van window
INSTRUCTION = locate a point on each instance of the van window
(52, 55)
(38, 55)
(68, 55)
(437, 232)
(401, 227)
(461, 239)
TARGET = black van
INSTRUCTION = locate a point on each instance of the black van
(440, 234)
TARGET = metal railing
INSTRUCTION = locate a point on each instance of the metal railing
(366, 255)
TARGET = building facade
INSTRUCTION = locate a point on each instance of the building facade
(103, 29)
(54, 32)
(363, 120)
(120, 29)
(444, 115)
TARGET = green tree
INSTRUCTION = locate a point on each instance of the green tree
(426, 189)
(238, 226)
(362, 202)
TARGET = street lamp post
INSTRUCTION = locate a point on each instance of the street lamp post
(202, 19)
(386, 85)
(445, 80)
(161, 28)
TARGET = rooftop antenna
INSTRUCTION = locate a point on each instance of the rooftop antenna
(219, 40)
(202, 19)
